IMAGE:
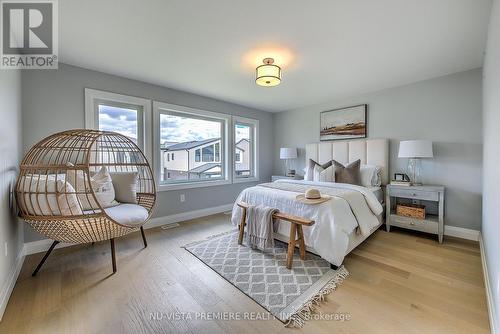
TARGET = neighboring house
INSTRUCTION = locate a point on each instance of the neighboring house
(192, 160)
(201, 159)
(242, 157)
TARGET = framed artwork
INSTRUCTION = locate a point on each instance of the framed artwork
(343, 123)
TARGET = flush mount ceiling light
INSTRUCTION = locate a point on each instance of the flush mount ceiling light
(268, 75)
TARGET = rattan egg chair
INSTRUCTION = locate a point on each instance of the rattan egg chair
(73, 213)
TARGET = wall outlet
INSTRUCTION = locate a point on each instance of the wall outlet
(183, 197)
(6, 248)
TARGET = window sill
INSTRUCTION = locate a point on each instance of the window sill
(190, 185)
(245, 179)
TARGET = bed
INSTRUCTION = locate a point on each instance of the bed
(351, 215)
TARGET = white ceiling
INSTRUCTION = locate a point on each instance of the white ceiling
(327, 49)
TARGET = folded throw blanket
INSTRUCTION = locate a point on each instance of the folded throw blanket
(260, 226)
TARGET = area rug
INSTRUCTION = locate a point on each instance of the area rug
(289, 295)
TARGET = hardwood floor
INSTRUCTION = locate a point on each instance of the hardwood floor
(399, 283)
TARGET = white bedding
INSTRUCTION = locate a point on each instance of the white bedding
(378, 192)
(349, 208)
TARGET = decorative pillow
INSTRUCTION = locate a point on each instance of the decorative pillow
(102, 185)
(125, 185)
(323, 174)
(370, 176)
(309, 175)
(347, 174)
(46, 195)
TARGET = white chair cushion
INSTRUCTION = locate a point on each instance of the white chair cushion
(102, 185)
(128, 214)
(125, 185)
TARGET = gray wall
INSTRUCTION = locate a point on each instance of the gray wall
(10, 148)
(54, 101)
(446, 110)
(491, 180)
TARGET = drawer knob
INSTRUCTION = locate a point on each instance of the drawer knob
(414, 194)
(412, 223)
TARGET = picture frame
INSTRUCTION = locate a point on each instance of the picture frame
(401, 177)
(344, 123)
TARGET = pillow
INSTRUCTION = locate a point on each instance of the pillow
(370, 176)
(102, 185)
(61, 199)
(125, 185)
(347, 174)
(321, 174)
(309, 175)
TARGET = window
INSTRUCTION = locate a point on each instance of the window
(245, 149)
(199, 140)
(208, 153)
(119, 113)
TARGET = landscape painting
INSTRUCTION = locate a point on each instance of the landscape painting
(345, 123)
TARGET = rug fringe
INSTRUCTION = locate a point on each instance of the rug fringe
(299, 318)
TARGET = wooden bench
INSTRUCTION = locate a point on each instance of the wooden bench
(296, 224)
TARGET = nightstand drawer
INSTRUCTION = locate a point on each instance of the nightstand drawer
(428, 226)
(415, 194)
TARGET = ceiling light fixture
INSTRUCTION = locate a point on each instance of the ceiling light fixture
(268, 75)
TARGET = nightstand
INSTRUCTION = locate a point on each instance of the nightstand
(434, 220)
(283, 177)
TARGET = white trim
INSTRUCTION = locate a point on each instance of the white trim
(91, 114)
(180, 217)
(158, 107)
(39, 246)
(255, 149)
(9, 284)
(460, 232)
(487, 286)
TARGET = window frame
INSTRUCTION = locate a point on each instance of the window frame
(226, 159)
(94, 97)
(254, 123)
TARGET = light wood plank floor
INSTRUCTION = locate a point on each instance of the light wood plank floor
(399, 283)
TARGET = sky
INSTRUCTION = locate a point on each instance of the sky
(173, 128)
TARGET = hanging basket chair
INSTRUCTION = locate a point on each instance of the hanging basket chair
(59, 196)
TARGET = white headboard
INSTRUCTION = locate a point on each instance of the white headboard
(370, 151)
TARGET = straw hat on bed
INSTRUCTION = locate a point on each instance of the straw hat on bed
(312, 196)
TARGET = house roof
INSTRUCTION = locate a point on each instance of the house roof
(204, 168)
(189, 144)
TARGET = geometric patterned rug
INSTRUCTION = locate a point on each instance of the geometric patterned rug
(289, 295)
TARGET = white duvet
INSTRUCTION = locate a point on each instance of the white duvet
(351, 209)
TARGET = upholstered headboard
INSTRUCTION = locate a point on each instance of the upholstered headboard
(370, 151)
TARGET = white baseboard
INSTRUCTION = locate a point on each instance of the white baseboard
(460, 232)
(38, 246)
(487, 286)
(180, 217)
(9, 284)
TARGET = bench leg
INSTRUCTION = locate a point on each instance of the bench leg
(242, 226)
(291, 245)
(302, 244)
(334, 267)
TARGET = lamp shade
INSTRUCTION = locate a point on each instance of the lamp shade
(415, 149)
(268, 75)
(288, 153)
